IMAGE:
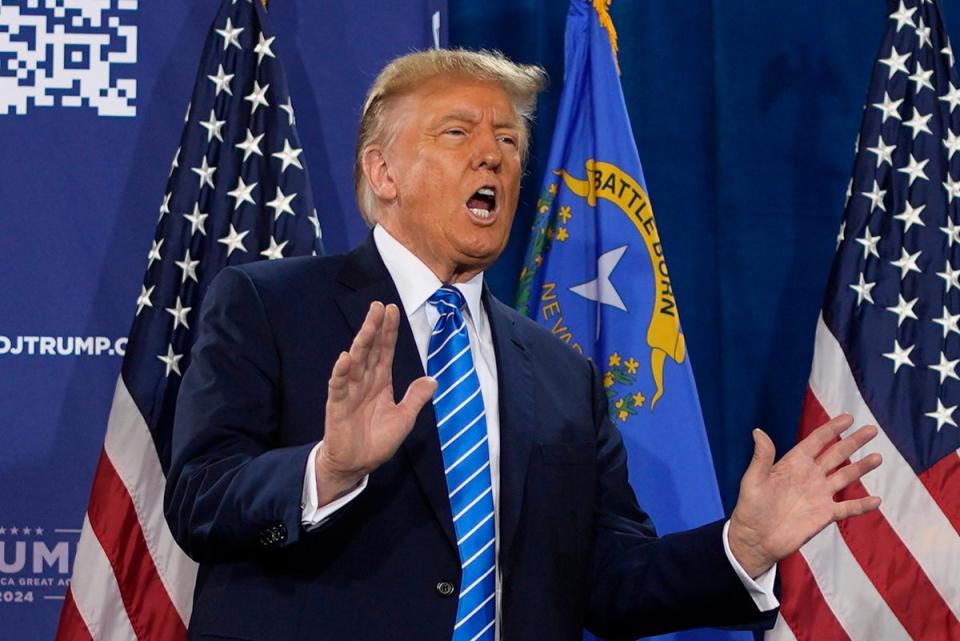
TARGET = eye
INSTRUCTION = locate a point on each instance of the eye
(509, 140)
(455, 131)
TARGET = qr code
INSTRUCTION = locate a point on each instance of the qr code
(68, 53)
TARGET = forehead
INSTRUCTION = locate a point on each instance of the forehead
(444, 97)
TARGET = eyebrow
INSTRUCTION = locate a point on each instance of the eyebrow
(463, 115)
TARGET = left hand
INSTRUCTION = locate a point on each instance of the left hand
(782, 506)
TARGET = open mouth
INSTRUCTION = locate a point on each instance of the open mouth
(483, 202)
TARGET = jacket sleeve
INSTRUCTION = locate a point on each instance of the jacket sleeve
(233, 490)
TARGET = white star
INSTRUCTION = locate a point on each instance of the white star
(948, 50)
(910, 216)
(952, 97)
(915, 169)
(144, 299)
(189, 268)
(179, 313)
(943, 415)
(165, 206)
(849, 193)
(234, 240)
(154, 252)
(241, 193)
(907, 262)
(281, 204)
(274, 251)
(171, 360)
(895, 62)
(601, 288)
(918, 123)
(258, 96)
(263, 48)
(316, 224)
(863, 291)
(883, 151)
(213, 127)
(876, 196)
(289, 156)
(948, 321)
(950, 276)
(952, 143)
(903, 16)
(921, 77)
(205, 172)
(222, 81)
(900, 356)
(38, 530)
(923, 32)
(230, 34)
(952, 188)
(840, 234)
(289, 109)
(946, 368)
(186, 116)
(869, 242)
(197, 220)
(251, 145)
(903, 309)
(175, 163)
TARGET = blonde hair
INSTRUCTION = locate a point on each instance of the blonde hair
(521, 83)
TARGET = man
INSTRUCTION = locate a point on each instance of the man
(486, 503)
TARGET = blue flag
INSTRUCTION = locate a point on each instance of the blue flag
(595, 275)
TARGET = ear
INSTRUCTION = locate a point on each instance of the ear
(377, 170)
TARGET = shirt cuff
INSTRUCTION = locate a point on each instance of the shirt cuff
(761, 588)
(312, 515)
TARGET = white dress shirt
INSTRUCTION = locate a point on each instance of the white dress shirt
(415, 283)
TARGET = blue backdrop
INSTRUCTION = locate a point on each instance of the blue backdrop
(745, 115)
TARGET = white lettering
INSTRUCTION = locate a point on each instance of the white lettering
(48, 346)
(60, 554)
(19, 558)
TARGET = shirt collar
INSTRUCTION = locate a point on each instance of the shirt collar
(414, 281)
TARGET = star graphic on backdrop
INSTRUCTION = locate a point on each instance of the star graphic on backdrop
(230, 34)
(38, 531)
(903, 16)
(946, 368)
(876, 196)
(952, 231)
(281, 204)
(952, 143)
(863, 291)
(601, 288)
(923, 33)
(289, 109)
(289, 156)
(205, 172)
(197, 220)
(26, 530)
(274, 251)
(943, 415)
(242, 193)
(918, 123)
(952, 97)
(890, 108)
(900, 356)
(258, 96)
(250, 145)
(234, 240)
(869, 242)
(143, 300)
(910, 216)
(171, 360)
(263, 48)
(883, 151)
(189, 268)
(915, 169)
(903, 309)
(921, 77)
(14, 531)
(222, 81)
(952, 187)
(948, 321)
(950, 276)
(907, 262)
(154, 252)
(165, 205)
(896, 62)
(316, 224)
(179, 313)
(3, 530)
(213, 127)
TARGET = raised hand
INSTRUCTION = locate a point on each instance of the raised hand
(363, 424)
(782, 506)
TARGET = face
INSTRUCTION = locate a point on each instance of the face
(448, 181)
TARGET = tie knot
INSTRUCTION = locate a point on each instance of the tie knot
(447, 296)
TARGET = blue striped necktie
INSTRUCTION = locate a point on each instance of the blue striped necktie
(462, 425)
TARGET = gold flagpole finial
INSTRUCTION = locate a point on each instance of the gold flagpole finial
(603, 13)
(264, 2)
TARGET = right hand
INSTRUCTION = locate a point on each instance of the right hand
(364, 427)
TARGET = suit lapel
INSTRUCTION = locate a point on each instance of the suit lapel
(368, 280)
(517, 423)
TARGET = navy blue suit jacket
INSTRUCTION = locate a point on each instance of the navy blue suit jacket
(575, 550)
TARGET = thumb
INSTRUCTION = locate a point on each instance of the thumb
(763, 454)
(417, 395)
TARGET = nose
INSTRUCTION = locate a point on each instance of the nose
(487, 154)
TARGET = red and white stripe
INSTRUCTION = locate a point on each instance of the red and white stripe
(131, 581)
(890, 575)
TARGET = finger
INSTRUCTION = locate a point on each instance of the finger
(418, 393)
(375, 354)
(388, 344)
(841, 451)
(364, 339)
(855, 507)
(337, 386)
(763, 455)
(823, 435)
(853, 472)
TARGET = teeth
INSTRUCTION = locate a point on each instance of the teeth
(485, 191)
(480, 213)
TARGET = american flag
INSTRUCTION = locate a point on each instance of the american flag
(238, 191)
(887, 350)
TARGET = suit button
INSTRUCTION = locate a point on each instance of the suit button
(445, 588)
